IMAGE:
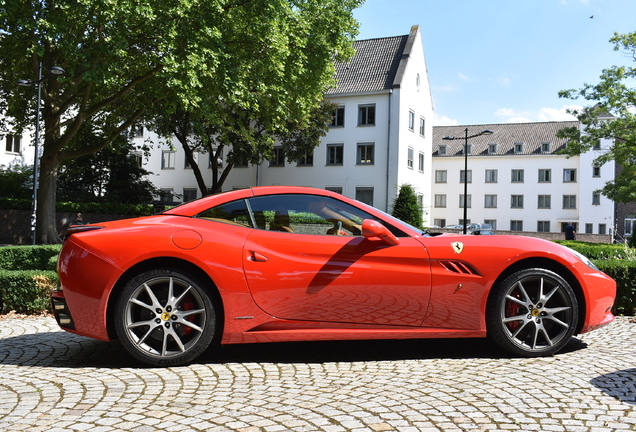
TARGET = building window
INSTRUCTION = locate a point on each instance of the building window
(468, 148)
(241, 163)
(491, 222)
(602, 229)
(187, 164)
(279, 158)
(543, 226)
(630, 224)
(596, 171)
(468, 201)
(589, 228)
(336, 189)
(469, 177)
(597, 145)
(411, 121)
(338, 117)
(491, 176)
(569, 201)
(365, 154)
(518, 148)
(420, 162)
(440, 176)
(167, 159)
(366, 115)
(545, 175)
(365, 195)
(138, 157)
(422, 126)
(334, 154)
(517, 176)
(189, 194)
(219, 155)
(166, 194)
(490, 201)
(516, 201)
(440, 201)
(137, 131)
(596, 198)
(442, 150)
(13, 144)
(569, 175)
(516, 225)
(545, 147)
(409, 161)
(306, 159)
(439, 222)
(492, 148)
(545, 202)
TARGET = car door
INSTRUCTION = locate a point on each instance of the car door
(318, 272)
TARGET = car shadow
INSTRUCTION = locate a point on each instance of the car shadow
(620, 385)
(68, 350)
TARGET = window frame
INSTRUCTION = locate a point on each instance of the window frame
(332, 160)
(365, 148)
(366, 114)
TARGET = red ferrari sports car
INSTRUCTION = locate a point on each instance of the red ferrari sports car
(272, 264)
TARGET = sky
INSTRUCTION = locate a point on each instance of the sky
(504, 61)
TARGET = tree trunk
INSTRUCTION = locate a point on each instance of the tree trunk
(46, 230)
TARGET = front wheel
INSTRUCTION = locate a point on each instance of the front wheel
(164, 317)
(533, 313)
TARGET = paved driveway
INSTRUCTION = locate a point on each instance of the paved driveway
(53, 380)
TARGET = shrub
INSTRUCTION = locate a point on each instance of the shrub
(26, 292)
(29, 257)
(624, 273)
(406, 208)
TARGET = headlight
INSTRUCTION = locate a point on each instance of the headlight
(583, 258)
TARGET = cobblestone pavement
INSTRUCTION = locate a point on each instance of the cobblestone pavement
(53, 380)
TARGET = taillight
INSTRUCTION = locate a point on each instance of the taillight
(79, 229)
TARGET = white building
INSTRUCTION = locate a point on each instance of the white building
(518, 181)
(16, 149)
(380, 138)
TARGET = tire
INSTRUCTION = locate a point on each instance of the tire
(165, 318)
(533, 313)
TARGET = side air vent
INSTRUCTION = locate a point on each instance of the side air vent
(459, 267)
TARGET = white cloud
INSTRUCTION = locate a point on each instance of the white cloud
(466, 77)
(503, 81)
(545, 114)
(440, 120)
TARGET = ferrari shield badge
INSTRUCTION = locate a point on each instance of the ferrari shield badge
(458, 247)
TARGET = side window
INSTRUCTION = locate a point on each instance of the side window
(234, 213)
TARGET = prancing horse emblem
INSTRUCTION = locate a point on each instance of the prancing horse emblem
(458, 247)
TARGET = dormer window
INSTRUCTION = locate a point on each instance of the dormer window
(545, 147)
(442, 150)
(492, 148)
(518, 148)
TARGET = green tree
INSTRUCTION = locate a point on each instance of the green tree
(112, 174)
(16, 182)
(123, 57)
(611, 117)
(239, 136)
(406, 208)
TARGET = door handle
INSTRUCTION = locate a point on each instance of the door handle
(257, 257)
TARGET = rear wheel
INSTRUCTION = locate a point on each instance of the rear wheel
(165, 317)
(533, 313)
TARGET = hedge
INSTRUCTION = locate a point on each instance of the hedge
(26, 291)
(27, 276)
(624, 273)
(98, 208)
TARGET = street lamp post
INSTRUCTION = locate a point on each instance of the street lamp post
(55, 70)
(485, 132)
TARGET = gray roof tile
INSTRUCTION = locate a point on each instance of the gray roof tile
(505, 135)
(372, 68)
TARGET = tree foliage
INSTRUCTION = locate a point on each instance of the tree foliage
(124, 58)
(406, 208)
(16, 181)
(111, 175)
(613, 117)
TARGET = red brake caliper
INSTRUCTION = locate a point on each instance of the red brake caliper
(512, 309)
(188, 305)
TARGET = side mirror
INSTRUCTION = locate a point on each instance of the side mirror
(374, 229)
